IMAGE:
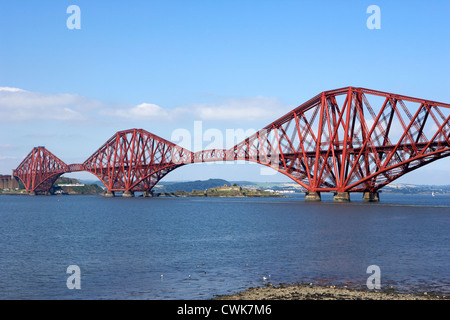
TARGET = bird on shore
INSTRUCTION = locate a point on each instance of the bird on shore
(266, 278)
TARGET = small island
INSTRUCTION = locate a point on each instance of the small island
(72, 186)
(225, 191)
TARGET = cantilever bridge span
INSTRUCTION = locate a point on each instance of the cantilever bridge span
(342, 141)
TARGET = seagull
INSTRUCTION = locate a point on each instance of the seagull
(161, 276)
(264, 278)
(189, 277)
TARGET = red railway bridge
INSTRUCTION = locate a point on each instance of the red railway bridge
(342, 141)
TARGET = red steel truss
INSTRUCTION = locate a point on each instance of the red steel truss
(135, 160)
(344, 140)
(39, 170)
(352, 139)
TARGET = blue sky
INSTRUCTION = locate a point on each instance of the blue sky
(161, 65)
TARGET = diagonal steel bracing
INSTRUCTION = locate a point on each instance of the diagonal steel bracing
(343, 140)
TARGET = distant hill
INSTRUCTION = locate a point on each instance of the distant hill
(188, 186)
(172, 186)
(65, 180)
(244, 183)
(90, 181)
(416, 189)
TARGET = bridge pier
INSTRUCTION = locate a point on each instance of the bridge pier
(109, 194)
(371, 196)
(342, 197)
(312, 196)
(32, 193)
(128, 194)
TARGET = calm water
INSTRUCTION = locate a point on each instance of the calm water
(123, 246)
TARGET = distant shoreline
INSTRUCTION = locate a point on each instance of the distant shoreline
(189, 194)
(205, 195)
(224, 188)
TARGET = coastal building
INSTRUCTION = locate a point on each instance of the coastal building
(8, 182)
(228, 188)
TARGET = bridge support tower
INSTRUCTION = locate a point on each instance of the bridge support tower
(312, 196)
(341, 197)
(371, 196)
(128, 194)
(109, 194)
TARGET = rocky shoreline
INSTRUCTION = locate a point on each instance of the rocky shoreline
(317, 292)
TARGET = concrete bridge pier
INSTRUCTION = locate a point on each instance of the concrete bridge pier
(109, 194)
(371, 196)
(32, 193)
(128, 194)
(341, 197)
(312, 196)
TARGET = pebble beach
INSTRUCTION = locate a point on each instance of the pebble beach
(317, 292)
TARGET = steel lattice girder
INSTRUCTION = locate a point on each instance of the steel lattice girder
(339, 141)
(40, 169)
(135, 160)
(349, 139)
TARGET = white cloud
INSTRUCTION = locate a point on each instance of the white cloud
(9, 89)
(18, 105)
(143, 111)
(249, 108)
